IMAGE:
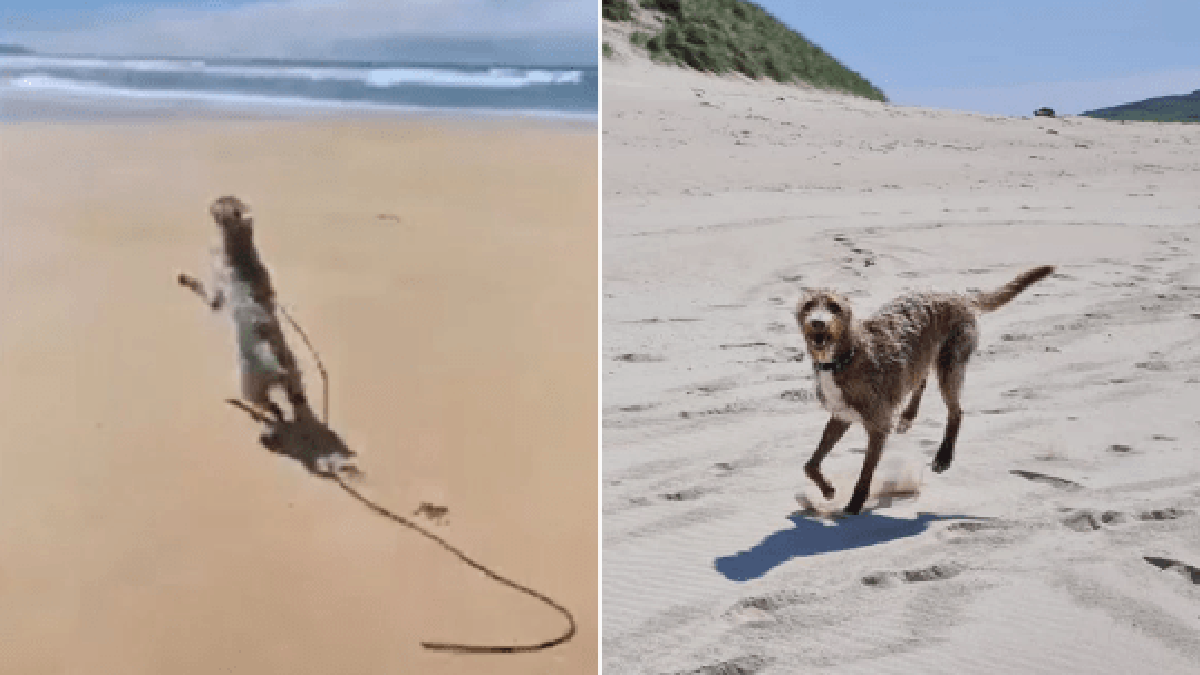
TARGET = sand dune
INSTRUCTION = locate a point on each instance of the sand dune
(446, 272)
(1078, 455)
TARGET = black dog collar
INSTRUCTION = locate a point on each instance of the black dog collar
(837, 365)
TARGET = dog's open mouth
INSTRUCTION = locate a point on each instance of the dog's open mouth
(820, 340)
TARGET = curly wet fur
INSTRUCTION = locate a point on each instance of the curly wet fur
(885, 360)
(242, 285)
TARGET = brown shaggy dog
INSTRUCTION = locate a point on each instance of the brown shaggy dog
(866, 369)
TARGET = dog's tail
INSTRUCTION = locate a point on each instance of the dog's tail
(990, 301)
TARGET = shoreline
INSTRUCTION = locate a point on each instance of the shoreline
(18, 106)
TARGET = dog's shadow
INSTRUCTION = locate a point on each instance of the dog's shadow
(812, 536)
(307, 440)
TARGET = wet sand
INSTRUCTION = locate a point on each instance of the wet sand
(446, 271)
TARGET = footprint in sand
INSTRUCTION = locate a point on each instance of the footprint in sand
(724, 469)
(979, 525)
(1163, 514)
(987, 532)
(1188, 572)
(1060, 483)
(770, 602)
(1086, 520)
(935, 572)
(638, 358)
(742, 665)
(685, 495)
(1082, 521)
(637, 407)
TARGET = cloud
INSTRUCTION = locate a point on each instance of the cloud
(1069, 98)
(310, 28)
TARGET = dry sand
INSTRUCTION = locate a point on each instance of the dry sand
(721, 199)
(145, 530)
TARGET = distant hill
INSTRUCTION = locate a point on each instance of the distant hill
(722, 36)
(14, 49)
(1184, 108)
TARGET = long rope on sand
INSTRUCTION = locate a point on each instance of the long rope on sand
(464, 648)
(405, 522)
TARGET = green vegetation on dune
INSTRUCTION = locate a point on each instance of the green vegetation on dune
(1185, 108)
(617, 10)
(721, 36)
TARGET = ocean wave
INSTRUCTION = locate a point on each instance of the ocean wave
(41, 82)
(496, 77)
(493, 78)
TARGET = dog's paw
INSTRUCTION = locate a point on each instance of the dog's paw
(814, 474)
(856, 504)
(903, 425)
(941, 464)
(271, 441)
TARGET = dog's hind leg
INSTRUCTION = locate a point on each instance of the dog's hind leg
(256, 390)
(254, 414)
(910, 413)
(875, 441)
(952, 372)
(296, 397)
(834, 430)
(268, 438)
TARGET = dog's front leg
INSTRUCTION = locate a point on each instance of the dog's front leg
(215, 301)
(834, 430)
(875, 441)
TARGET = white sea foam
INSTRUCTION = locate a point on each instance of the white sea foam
(494, 78)
(41, 82)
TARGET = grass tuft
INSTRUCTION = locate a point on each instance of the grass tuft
(617, 10)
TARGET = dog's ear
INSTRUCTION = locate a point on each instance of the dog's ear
(806, 295)
(809, 294)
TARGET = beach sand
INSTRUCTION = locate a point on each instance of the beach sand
(445, 270)
(722, 198)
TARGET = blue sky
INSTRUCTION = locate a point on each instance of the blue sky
(998, 57)
(282, 28)
(1009, 57)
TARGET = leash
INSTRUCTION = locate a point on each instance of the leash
(317, 358)
(453, 646)
(447, 546)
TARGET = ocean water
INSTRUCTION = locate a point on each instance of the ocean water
(283, 85)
